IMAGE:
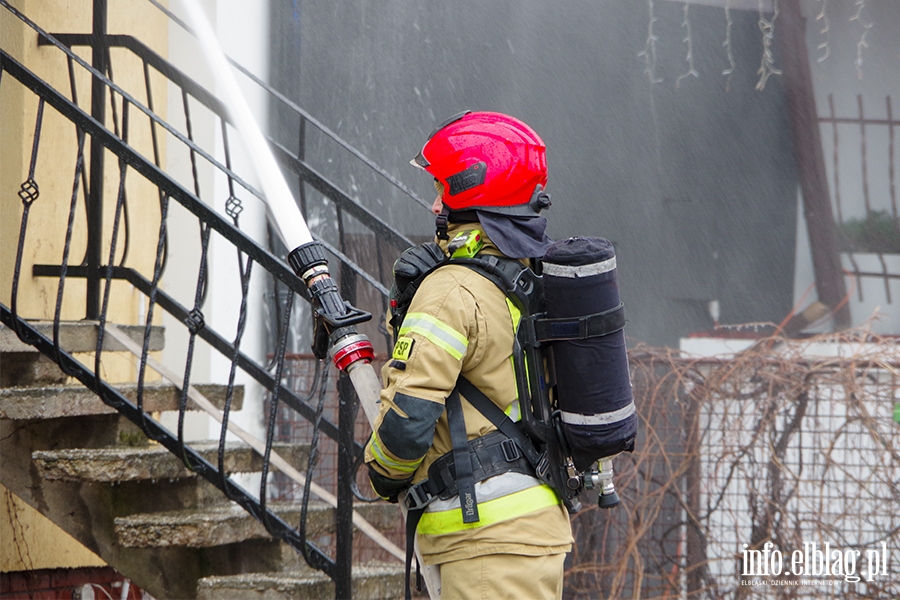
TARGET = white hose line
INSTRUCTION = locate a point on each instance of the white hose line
(282, 209)
(367, 387)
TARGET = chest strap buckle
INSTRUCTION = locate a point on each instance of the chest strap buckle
(510, 450)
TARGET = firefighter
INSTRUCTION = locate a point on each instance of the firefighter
(510, 539)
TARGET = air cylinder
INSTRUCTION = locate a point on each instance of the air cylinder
(593, 383)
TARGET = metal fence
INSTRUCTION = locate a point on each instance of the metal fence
(774, 473)
(65, 181)
(863, 188)
(309, 378)
(789, 444)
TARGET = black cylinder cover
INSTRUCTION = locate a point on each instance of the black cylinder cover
(593, 381)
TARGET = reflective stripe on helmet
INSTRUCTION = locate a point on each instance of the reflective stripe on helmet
(437, 332)
(443, 517)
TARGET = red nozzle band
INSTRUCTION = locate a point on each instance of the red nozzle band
(352, 352)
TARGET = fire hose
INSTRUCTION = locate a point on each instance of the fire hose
(335, 319)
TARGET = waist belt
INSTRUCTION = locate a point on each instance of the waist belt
(498, 452)
(491, 454)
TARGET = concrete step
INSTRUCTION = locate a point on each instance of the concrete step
(229, 524)
(80, 336)
(50, 402)
(153, 462)
(22, 365)
(373, 581)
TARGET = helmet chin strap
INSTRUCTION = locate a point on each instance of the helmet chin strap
(441, 223)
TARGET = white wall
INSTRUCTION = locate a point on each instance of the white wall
(242, 28)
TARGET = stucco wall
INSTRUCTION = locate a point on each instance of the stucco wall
(30, 541)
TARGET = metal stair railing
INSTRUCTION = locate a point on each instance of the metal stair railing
(342, 201)
(305, 116)
(101, 274)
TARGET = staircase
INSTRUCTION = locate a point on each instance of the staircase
(109, 458)
(134, 503)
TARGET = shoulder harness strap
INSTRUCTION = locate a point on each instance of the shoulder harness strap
(519, 283)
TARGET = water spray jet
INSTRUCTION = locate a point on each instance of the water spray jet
(335, 319)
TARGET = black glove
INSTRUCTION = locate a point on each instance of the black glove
(387, 488)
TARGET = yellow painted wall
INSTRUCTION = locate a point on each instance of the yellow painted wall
(29, 540)
(57, 153)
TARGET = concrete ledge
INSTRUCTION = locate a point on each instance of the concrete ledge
(125, 463)
(232, 524)
(24, 403)
(374, 581)
(80, 336)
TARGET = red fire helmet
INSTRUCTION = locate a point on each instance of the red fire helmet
(486, 160)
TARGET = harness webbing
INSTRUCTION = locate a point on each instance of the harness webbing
(465, 479)
(420, 495)
(412, 523)
(499, 419)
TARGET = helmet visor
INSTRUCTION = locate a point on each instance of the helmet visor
(419, 161)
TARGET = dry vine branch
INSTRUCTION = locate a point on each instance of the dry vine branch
(789, 442)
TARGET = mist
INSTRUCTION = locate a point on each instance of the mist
(658, 138)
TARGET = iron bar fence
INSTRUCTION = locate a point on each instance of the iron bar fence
(864, 191)
(116, 276)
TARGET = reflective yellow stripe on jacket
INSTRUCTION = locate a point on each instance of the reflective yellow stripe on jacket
(437, 332)
(506, 507)
(404, 466)
(514, 412)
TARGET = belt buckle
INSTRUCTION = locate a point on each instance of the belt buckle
(417, 497)
(542, 469)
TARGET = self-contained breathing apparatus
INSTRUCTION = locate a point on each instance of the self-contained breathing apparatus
(573, 384)
(570, 423)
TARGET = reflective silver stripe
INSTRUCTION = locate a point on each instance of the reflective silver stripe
(601, 419)
(514, 412)
(490, 489)
(580, 270)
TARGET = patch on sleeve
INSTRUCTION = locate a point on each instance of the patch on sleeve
(408, 437)
(403, 348)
